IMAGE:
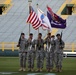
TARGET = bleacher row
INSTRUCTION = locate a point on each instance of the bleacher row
(2, 1)
(6, 2)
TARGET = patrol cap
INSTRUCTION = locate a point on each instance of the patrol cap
(31, 34)
(52, 36)
(22, 33)
(49, 34)
(40, 34)
(58, 35)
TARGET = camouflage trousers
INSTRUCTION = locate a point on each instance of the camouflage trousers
(40, 59)
(58, 60)
(23, 58)
(49, 60)
(31, 58)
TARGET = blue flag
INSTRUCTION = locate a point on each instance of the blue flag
(55, 20)
(60, 23)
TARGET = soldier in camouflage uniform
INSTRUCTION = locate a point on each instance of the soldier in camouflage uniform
(39, 52)
(31, 52)
(53, 48)
(49, 52)
(22, 52)
(59, 52)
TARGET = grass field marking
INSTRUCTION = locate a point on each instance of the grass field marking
(34, 74)
(50, 74)
(41, 74)
(9, 73)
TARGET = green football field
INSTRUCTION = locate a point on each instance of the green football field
(10, 66)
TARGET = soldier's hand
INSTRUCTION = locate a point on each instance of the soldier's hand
(61, 46)
(18, 45)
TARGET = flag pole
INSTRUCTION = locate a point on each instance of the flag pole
(29, 1)
(48, 31)
(38, 28)
(61, 33)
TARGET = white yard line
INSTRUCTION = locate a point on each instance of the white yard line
(5, 73)
(9, 73)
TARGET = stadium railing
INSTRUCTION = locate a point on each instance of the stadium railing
(70, 47)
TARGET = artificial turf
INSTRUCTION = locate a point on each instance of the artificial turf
(11, 64)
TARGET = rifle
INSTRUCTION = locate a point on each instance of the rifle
(19, 41)
(61, 39)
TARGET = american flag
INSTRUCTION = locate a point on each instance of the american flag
(34, 20)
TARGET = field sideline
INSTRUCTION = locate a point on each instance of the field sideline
(11, 64)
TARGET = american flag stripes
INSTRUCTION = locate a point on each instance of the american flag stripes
(34, 20)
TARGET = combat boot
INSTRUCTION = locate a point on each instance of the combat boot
(21, 69)
(24, 69)
(60, 70)
(40, 69)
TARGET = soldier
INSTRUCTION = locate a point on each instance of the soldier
(53, 38)
(59, 52)
(53, 48)
(39, 52)
(49, 53)
(31, 52)
(22, 52)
